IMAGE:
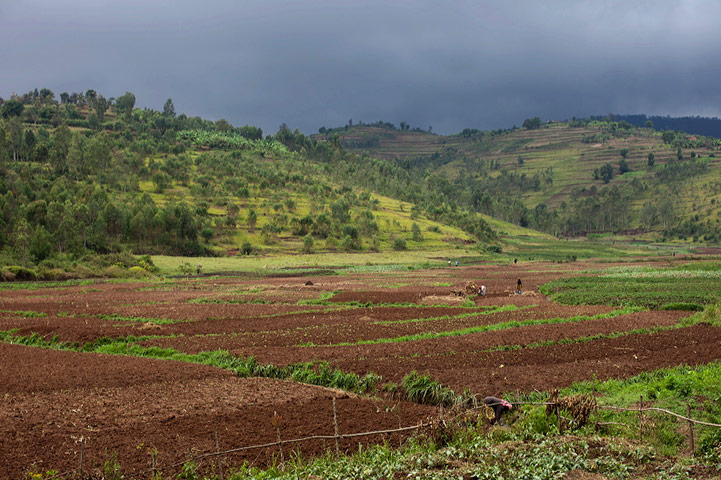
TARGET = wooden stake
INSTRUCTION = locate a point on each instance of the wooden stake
(690, 429)
(217, 449)
(82, 452)
(558, 415)
(640, 418)
(335, 426)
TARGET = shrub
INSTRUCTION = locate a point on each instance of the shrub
(399, 244)
(246, 249)
(115, 271)
(22, 273)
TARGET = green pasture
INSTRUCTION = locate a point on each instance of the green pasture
(317, 263)
(697, 283)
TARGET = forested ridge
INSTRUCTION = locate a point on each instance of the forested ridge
(90, 180)
(564, 178)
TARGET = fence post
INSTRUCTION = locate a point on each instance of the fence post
(690, 429)
(335, 426)
(217, 449)
(82, 453)
(640, 418)
(558, 415)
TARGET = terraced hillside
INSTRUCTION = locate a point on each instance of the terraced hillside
(557, 168)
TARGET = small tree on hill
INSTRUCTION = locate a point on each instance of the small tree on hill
(623, 166)
(606, 172)
(532, 123)
(252, 219)
(651, 159)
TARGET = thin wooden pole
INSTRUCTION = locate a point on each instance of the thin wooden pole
(640, 418)
(335, 426)
(690, 430)
(217, 449)
(82, 453)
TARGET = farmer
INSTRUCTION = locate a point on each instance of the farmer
(456, 263)
(499, 406)
(482, 290)
(519, 287)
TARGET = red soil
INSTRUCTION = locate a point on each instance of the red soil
(52, 399)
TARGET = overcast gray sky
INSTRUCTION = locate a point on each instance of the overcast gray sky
(313, 63)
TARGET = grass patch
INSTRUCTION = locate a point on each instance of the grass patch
(314, 373)
(155, 321)
(492, 309)
(649, 289)
(25, 313)
(483, 328)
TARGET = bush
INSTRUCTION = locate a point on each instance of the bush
(399, 244)
(494, 249)
(22, 273)
(138, 272)
(115, 271)
(246, 249)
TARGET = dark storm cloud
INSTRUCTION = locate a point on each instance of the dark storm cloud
(319, 63)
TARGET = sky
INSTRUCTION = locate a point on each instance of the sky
(447, 65)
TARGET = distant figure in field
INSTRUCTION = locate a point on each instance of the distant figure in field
(519, 287)
(449, 262)
(197, 269)
(515, 260)
(482, 290)
(456, 263)
(499, 406)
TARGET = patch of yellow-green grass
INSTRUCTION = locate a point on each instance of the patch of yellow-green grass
(168, 265)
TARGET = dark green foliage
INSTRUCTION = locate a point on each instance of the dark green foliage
(246, 249)
(691, 307)
(11, 108)
(623, 166)
(532, 123)
(606, 172)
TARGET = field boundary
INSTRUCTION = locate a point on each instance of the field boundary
(441, 420)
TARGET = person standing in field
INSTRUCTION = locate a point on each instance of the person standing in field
(519, 287)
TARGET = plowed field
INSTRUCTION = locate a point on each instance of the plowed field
(151, 412)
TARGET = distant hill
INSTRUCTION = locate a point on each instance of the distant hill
(710, 127)
(570, 178)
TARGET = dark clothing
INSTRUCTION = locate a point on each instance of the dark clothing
(499, 406)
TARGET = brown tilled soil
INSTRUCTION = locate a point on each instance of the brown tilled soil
(131, 407)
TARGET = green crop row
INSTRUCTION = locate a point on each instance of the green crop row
(646, 291)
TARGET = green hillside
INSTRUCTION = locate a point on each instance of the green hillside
(567, 176)
(88, 183)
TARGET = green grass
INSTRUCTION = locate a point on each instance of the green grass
(482, 328)
(155, 321)
(315, 373)
(645, 287)
(41, 285)
(490, 309)
(25, 313)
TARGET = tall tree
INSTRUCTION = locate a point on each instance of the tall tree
(125, 104)
(169, 108)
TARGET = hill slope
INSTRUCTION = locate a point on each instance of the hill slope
(553, 177)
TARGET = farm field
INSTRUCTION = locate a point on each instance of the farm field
(145, 409)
